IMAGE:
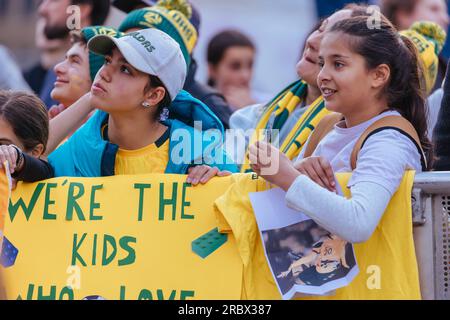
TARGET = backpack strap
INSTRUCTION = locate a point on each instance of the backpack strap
(322, 129)
(397, 123)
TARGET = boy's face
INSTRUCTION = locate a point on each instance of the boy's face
(73, 78)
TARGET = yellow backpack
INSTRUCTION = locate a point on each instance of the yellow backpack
(387, 261)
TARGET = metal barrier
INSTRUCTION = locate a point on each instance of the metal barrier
(431, 217)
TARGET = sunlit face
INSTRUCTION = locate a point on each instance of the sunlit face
(73, 78)
(118, 87)
(235, 69)
(344, 80)
(54, 12)
(427, 10)
(307, 67)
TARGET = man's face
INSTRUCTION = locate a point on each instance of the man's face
(73, 78)
(55, 14)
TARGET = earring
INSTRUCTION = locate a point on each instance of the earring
(164, 115)
(146, 104)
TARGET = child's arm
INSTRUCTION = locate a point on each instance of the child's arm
(68, 121)
(24, 167)
(353, 220)
(33, 169)
(381, 165)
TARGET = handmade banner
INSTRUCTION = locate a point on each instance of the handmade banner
(149, 237)
(5, 186)
(156, 237)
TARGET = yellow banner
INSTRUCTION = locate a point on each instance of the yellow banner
(4, 197)
(147, 237)
(156, 237)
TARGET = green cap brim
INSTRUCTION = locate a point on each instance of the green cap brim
(102, 44)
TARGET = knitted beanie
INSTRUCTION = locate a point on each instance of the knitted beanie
(429, 39)
(169, 16)
(96, 61)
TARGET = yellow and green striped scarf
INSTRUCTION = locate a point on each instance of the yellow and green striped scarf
(281, 107)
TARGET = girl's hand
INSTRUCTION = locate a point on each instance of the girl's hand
(319, 170)
(203, 173)
(8, 154)
(273, 165)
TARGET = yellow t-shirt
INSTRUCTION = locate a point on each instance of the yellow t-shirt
(150, 159)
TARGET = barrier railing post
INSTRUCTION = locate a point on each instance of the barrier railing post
(431, 219)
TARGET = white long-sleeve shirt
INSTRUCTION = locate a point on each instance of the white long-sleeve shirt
(379, 171)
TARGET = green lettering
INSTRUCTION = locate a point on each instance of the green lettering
(141, 188)
(68, 292)
(94, 205)
(185, 203)
(94, 251)
(145, 295)
(160, 294)
(131, 257)
(21, 204)
(122, 293)
(72, 201)
(186, 294)
(51, 296)
(30, 291)
(48, 202)
(75, 248)
(105, 258)
(167, 202)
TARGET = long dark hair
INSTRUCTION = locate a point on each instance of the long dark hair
(27, 116)
(405, 91)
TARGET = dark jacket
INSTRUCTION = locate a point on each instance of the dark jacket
(34, 170)
(213, 99)
(441, 135)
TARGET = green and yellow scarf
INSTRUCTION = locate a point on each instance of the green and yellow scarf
(279, 109)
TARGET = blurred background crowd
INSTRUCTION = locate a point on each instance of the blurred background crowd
(274, 31)
(246, 50)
